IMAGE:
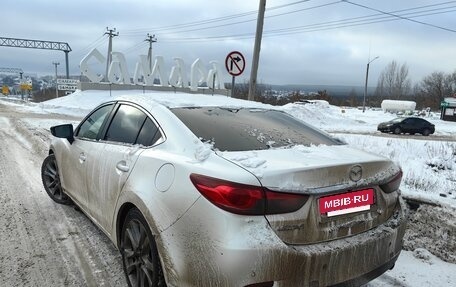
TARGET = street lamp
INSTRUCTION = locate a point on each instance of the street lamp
(365, 85)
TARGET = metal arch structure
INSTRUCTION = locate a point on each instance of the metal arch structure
(38, 44)
(11, 70)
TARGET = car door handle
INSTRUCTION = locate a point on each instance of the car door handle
(122, 166)
(82, 157)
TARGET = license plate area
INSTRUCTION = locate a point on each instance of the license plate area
(345, 203)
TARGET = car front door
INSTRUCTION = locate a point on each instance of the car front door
(122, 145)
(74, 166)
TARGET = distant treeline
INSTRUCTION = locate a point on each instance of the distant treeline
(393, 84)
(266, 94)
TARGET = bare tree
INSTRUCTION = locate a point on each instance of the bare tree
(436, 86)
(353, 98)
(394, 82)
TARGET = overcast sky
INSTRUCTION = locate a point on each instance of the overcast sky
(319, 42)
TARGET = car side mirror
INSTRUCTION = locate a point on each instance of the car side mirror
(63, 131)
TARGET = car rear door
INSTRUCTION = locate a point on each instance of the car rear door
(124, 139)
(421, 125)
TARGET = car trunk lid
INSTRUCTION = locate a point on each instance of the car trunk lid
(333, 178)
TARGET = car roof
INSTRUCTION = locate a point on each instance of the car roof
(183, 100)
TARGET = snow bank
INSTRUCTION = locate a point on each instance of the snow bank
(429, 167)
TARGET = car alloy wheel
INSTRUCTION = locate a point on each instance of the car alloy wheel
(51, 180)
(397, 131)
(139, 252)
(426, 132)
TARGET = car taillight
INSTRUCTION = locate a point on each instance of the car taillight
(245, 199)
(279, 202)
(393, 184)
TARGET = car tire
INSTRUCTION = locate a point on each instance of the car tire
(426, 132)
(397, 130)
(51, 180)
(140, 257)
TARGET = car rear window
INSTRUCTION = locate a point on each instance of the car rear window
(249, 129)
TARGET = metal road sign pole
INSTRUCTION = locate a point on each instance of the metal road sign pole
(232, 86)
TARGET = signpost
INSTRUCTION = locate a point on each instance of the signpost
(26, 86)
(67, 84)
(235, 65)
(5, 90)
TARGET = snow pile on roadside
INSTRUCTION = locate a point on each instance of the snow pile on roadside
(417, 268)
(433, 228)
(428, 166)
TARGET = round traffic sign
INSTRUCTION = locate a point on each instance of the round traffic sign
(235, 63)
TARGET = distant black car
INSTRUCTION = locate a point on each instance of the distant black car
(410, 125)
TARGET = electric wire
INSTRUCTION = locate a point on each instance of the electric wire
(380, 17)
(349, 22)
(95, 44)
(208, 21)
(401, 17)
(253, 20)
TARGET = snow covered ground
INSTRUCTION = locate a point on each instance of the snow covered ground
(428, 163)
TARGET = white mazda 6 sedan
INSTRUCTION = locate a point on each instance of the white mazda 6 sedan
(228, 196)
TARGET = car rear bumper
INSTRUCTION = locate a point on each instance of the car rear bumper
(249, 253)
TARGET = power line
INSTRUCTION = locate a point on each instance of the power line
(135, 47)
(401, 17)
(252, 20)
(212, 20)
(329, 25)
(373, 17)
(95, 44)
(380, 17)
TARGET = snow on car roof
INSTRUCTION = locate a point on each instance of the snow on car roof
(179, 100)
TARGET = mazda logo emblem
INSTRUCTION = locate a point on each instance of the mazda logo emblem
(356, 173)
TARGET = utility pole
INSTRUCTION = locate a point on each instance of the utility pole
(365, 85)
(256, 50)
(111, 33)
(151, 39)
(56, 85)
